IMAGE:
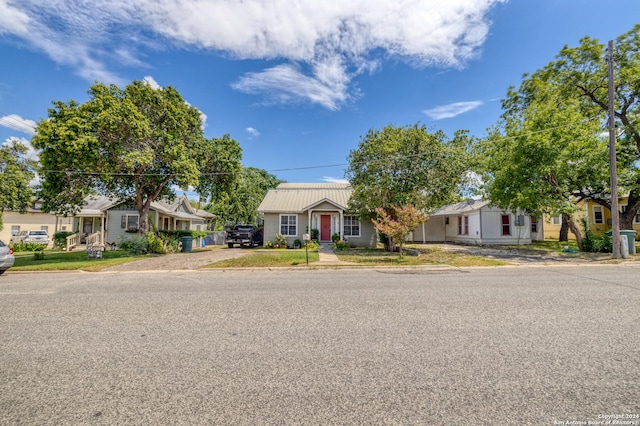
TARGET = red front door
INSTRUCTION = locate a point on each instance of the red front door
(325, 227)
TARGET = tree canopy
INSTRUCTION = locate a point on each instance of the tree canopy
(550, 151)
(407, 165)
(136, 143)
(240, 204)
(16, 173)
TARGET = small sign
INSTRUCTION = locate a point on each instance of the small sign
(306, 237)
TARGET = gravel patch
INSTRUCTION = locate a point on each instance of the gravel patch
(177, 261)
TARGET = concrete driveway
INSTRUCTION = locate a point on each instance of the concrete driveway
(177, 261)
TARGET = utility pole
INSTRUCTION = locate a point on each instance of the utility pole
(615, 215)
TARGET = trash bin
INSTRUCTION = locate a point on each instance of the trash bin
(187, 241)
(630, 234)
(631, 238)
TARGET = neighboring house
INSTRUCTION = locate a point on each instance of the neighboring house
(106, 220)
(598, 219)
(478, 222)
(294, 209)
(33, 219)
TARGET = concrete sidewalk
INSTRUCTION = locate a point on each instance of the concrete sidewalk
(328, 256)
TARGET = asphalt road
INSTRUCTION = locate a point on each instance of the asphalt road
(510, 345)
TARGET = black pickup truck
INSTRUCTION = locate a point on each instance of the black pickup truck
(244, 235)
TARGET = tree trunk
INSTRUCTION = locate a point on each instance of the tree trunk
(574, 230)
(564, 231)
(626, 217)
(390, 244)
(143, 219)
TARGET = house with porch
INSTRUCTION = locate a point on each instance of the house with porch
(295, 209)
(103, 220)
(597, 217)
(478, 222)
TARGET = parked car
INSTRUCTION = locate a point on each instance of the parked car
(6, 257)
(244, 234)
(38, 237)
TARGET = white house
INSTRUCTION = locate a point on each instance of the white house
(104, 220)
(478, 222)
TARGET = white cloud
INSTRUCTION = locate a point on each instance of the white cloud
(15, 122)
(151, 82)
(253, 132)
(31, 154)
(452, 110)
(321, 45)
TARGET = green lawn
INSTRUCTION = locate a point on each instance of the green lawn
(268, 258)
(75, 260)
(427, 256)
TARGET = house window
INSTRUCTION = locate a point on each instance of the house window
(557, 220)
(15, 229)
(463, 225)
(534, 225)
(132, 222)
(636, 218)
(598, 215)
(351, 226)
(506, 224)
(288, 225)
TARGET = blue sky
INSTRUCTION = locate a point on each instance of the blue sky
(296, 83)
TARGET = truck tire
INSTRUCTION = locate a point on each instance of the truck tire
(230, 245)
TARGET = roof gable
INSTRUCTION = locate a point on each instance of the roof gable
(299, 197)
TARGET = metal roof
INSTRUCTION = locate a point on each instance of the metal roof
(460, 208)
(299, 197)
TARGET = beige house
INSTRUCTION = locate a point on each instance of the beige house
(103, 220)
(33, 219)
(295, 209)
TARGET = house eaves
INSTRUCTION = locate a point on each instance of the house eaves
(460, 208)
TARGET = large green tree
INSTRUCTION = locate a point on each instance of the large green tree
(136, 143)
(240, 205)
(540, 158)
(406, 166)
(16, 174)
(570, 92)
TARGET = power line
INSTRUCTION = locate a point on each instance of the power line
(313, 167)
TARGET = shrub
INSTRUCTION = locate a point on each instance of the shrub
(313, 244)
(297, 243)
(594, 243)
(268, 244)
(60, 239)
(22, 246)
(280, 240)
(134, 245)
(335, 237)
(315, 234)
(155, 244)
(340, 245)
(38, 254)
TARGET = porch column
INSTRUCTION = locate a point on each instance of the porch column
(103, 219)
(310, 213)
(341, 225)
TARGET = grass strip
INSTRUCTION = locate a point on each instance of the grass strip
(69, 261)
(268, 258)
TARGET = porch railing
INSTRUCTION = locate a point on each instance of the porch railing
(72, 241)
(94, 239)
